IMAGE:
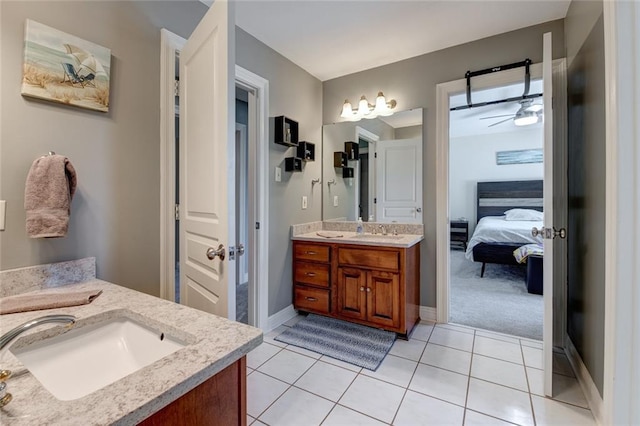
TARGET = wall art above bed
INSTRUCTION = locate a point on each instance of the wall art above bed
(522, 156)
(63, 68)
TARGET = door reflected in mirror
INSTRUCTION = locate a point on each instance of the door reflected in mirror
(373, 169)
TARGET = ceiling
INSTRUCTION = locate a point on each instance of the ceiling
(330, 38)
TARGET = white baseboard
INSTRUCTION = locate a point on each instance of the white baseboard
(279, 318)
(586, 382)
(427, 313)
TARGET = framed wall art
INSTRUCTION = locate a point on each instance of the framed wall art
(63, 68)
(522, 156)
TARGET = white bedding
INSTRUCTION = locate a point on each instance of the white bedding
(495, 229)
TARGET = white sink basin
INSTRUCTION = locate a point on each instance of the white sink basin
(83, 360)
(378, 237)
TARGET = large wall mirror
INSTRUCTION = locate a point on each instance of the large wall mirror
(373, 169)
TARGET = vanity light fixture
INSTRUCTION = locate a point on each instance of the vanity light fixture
(366, 110)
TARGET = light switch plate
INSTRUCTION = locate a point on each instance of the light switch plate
(335, 201)
(3, 210)
(278, 174)
(304, 202)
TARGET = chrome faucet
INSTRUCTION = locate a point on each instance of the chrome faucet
(7, 339)
(383, 230)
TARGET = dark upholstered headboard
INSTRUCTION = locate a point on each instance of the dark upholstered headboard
(494, 198)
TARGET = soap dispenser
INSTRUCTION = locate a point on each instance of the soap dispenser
(359, 227)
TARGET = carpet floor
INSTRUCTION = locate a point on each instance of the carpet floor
(499, 301)
(353, 343)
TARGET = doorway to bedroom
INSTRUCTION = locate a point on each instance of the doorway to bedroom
(496, 176)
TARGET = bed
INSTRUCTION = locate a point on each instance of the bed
(495, 238)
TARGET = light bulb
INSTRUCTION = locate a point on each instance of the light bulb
(347, 111)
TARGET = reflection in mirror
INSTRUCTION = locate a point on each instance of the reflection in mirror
(386, 187)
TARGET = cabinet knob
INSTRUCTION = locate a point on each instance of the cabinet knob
(361, 288)
(311, 252)
(311, 274)
(311, 299)
(368, 289)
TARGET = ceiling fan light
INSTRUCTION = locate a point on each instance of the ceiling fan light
(534, 108)
(525, 119)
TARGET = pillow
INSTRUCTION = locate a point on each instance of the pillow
(523, 214)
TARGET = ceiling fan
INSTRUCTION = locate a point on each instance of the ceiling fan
(529, 113)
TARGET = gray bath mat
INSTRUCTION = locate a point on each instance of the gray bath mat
(353, 343)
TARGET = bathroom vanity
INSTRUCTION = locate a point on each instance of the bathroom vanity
(369, 279)
(203, 382)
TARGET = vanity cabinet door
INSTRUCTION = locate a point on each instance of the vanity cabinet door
(352, 297)
(383, 298)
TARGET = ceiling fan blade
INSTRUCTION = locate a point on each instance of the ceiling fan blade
(496, 116)
(500, 122)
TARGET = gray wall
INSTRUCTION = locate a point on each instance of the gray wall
(298, 95)
(115, 212)
(412, 83)
(584, 32)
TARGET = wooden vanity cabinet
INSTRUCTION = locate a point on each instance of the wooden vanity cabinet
(371, 285)
(312, 277)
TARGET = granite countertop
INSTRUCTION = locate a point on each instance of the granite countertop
(366, 239)
(213, 343)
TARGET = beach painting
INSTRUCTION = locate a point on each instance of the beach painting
(63, 68)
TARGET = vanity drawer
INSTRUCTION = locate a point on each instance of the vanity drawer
(379, 259)
(311, 273)
(311, 299)
(315, 252)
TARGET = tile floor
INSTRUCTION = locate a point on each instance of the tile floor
(445, 375)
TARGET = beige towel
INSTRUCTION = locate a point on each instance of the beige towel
(38, 301)
(49, 189)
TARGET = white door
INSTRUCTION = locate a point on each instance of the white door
(207, 158)
(399, 181)
(547, 332)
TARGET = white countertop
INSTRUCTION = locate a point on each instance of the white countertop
(400, 240)
(214, 344)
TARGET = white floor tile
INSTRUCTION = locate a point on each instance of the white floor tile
(439, 383)
(287, 366)
(418, 409)
(532, 357)
(410, 349)
(373, 397)
(536, 380)
(550, 412)
(297, 408)
(457, 327)
(326, 380)
(422, 331)
(262, 390)
(393, 369)
(305, 352)
(452, 339)
(498, 349)
(501, 402)
(498, 336)
(567, 389)
(261, 354)
(340, 363)
(249, 370)
(500, 372)
(250, 420)
(270, 336)
(471, 418)
(531, 343)
(343, 416)
(257, 423)
(447, 358)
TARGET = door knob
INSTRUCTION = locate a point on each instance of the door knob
(419, 209)
(212, 253)
(549, 233)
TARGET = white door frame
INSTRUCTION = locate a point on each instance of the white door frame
(621, 389)
(170, 44)
(443, 92)
(371, 138)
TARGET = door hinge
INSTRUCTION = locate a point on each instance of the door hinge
(176, 87)
(257, 225)
(177, 211)
(375, 201)
(375, 155)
